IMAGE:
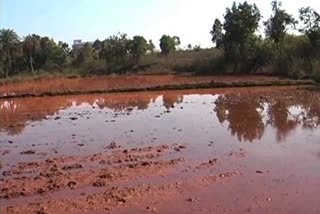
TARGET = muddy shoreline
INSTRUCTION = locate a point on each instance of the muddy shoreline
(202, 85)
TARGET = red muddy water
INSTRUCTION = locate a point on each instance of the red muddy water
(195, 151)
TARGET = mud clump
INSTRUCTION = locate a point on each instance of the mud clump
(146, 163)
(192, 200)
(72, 166)
(41, 191)
(6, 173)
(228, 174)
(99, 183)
(72, 184)
(28, 152)
(123, 170)
(42, 211)
(109, 176)
(213, 161)
(179, 148)
(113, 145)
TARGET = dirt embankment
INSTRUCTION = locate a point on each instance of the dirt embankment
(109, 84)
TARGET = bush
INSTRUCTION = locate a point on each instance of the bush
(94, 67)
(316, 70)
(261, 54)
(203, 61)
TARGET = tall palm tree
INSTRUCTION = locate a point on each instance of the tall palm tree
(31, 46)
(9, 42)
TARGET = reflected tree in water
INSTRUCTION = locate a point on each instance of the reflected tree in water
(125, 103)
(16, 114)
(249, 114)
(312, 106)
(170, 100)
(243, 115)
(281, 118)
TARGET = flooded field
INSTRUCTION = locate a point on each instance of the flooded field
(195, 151)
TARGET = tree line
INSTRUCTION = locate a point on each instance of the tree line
(239, 48)
(284, 53)
(34, 53)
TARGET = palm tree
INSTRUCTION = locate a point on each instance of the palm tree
(31, 46)
(8, 45)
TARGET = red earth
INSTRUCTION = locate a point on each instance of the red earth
(62, 84)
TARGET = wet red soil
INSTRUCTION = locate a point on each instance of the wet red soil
(197, 151)
(85, 84)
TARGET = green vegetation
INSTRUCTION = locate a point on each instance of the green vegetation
(168, 44)
(239, 48)
(138, 47)
(277, 52)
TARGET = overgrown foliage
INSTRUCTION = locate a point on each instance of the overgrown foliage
(289, 46)
(279, 52)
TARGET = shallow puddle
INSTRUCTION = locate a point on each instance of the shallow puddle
(268, 137)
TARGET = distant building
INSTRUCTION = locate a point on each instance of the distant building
(78, 44)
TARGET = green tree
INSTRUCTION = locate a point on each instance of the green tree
(31, 46)
(189, 47)
(241, 22)
(85, 54)
(50, 53)
(45, 49)
(97, 45)
(58, 53)
(115, 50)
(138, 47)
(169, 44)
(217, 34)
(9, 43)
(197, 47)
(151, 46)
(64, 46)
(278, 25)
(311, 25)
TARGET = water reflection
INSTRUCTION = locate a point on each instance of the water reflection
(282, 119)
(15, 114)
(169, 100)
(243, 115)
(247, 115)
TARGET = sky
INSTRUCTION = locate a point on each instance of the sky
(88, 20)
